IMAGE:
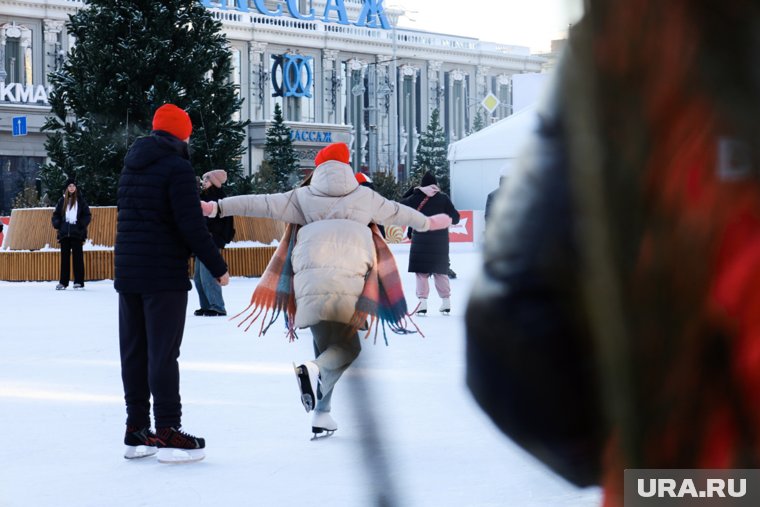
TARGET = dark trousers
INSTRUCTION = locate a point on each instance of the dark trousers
(69, 247)
(150, 334)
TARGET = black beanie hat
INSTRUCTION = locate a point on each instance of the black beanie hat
(428, 179)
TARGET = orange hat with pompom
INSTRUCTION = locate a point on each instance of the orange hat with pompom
(335, 151)
(173, 120)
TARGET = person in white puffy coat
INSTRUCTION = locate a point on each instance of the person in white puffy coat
(334, 251)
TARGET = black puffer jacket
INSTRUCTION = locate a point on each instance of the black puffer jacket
(68, 230)
(159, 222)
(429, 252)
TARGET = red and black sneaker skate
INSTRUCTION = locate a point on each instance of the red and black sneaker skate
(176, 446)
(140, 442)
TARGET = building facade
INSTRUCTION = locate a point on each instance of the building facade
(341, 70)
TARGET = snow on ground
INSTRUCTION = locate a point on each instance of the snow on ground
(62, 414)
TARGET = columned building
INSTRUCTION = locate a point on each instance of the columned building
(340, 70)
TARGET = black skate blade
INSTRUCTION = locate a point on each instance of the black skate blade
(445, 312)
(421, 313)
(304, 385)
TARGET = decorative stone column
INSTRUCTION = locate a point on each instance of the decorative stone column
(435, 87)
(408, 112)
(384, 124)
(53, 52)
(259, 78)
(457, 105)
(506, 102)
(331, 85)
(481, 80)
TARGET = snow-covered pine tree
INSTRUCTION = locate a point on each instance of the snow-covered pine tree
(386, 185)
(279, 154)
(130, 57)
(478, 122)
(431, 154)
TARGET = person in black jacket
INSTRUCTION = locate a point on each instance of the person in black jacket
(159, 225)
(222, 229)
(429, 253)
(71, 218)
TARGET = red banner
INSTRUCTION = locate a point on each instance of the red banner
(5, 221)
(462, 232)
(459, 233)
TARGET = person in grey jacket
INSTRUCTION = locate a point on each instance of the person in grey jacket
(334, 252)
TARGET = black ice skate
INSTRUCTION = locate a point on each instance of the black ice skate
(307, 375)
(140, 442)
(322, 425)
(176, 446)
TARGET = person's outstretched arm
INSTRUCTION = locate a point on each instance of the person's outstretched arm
(282, 206)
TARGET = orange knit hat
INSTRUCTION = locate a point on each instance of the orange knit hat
(173, 120)
(334, 151)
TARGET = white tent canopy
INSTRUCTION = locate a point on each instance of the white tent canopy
(480, 159)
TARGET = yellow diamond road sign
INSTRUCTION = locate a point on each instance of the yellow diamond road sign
(491, 102)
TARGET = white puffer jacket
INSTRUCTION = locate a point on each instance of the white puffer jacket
(334, 249)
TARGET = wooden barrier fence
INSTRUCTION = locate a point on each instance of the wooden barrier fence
(98, 264)
(30, 229)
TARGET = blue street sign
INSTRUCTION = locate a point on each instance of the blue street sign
(19, 125)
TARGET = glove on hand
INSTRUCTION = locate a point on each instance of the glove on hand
(439, 221)
(208, 208)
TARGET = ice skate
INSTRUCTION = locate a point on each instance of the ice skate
(140, 443)
(445, 306)
(176, 446)
(60, 286)
(322, 424)
(307, 375)
(78, 286)
(421, 308)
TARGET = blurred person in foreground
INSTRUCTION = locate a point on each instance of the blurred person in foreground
(616, 321)
(159, 225)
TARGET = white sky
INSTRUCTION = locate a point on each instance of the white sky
(532, 23)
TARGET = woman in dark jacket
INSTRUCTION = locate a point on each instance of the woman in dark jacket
(71, 218)
(222, 230)
(429, 254)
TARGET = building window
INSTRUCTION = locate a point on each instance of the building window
(13, 61)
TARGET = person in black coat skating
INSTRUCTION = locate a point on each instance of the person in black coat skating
(159, 225)
(429, 253)
(71, 218)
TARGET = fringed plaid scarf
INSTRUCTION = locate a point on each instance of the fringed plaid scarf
(382, 298)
